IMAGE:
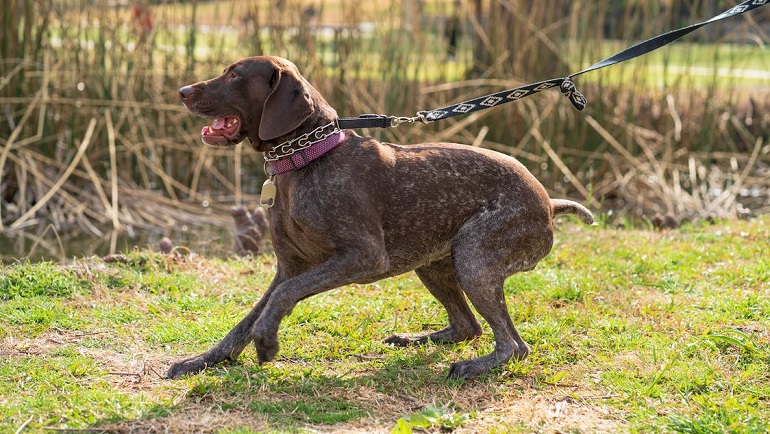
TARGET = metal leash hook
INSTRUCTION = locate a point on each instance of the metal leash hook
(420, 117)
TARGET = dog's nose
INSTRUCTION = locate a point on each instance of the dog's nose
(186, 92)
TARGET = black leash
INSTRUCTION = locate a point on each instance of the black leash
(565, 84)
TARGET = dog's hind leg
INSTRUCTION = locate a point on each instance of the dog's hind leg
(488, 298)
(488, 248)
(440, 280)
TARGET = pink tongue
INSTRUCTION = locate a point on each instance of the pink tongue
(218, 124)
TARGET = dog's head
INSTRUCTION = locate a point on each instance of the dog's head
(260, 98)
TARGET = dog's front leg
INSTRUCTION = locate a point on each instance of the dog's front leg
(342, 269)
(233, 343)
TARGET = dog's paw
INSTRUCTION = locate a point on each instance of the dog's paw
(466, 369)
(400, 341)
(521, 352)
(192, 365)
(266, 348)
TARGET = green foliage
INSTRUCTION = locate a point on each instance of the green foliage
(429, 419)
(40, 279)
(730, 416)
(325, 411)
(732, 340)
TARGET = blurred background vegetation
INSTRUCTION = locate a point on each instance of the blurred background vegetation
(93, 139)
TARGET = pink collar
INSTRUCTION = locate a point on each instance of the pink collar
(299, 158)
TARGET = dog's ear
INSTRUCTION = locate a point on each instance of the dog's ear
(286, 107)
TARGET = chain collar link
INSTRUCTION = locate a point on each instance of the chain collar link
(304, 141)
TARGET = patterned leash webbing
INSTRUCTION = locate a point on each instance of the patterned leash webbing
(565, 84)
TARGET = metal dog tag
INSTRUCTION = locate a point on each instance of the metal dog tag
(267, 197)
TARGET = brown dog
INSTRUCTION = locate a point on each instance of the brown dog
(349, 209)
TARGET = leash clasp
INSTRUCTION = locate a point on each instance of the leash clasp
(420, 117)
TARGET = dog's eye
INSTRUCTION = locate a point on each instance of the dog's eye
(232, 75)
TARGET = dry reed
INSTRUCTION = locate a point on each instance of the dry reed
(92, 135)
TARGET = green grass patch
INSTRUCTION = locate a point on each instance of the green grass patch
(630, 331)
(41, 279)
(311, 410)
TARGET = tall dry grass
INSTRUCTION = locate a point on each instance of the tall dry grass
(92, 134)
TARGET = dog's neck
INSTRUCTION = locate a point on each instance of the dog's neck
(299, 152)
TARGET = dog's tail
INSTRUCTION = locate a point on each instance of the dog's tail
(562, 206)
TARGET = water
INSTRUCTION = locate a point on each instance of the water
(45, 244)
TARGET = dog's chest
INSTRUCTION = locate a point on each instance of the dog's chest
(293, 240)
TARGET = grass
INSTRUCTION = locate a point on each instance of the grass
(631, 331)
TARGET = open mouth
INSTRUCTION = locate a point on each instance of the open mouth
(222, 132)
